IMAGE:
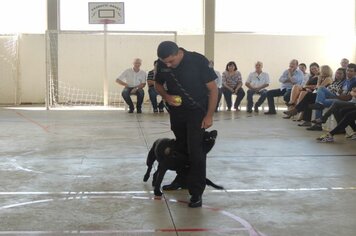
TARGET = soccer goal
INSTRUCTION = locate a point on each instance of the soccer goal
(77, 62)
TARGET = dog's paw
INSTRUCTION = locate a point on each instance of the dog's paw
(146, 177)
(158, 192)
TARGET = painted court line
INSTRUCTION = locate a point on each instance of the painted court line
(45, 128)
(207, 191)
(246, 226)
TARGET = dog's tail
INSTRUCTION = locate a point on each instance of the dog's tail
(210, 183)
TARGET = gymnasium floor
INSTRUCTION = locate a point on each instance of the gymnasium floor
(66, 172)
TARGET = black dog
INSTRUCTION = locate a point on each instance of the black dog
(164, 152)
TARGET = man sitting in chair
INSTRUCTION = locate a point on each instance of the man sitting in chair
(134, 80)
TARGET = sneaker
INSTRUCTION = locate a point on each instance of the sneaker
(322, 136)
(161, 110)
(155, 110)
(305, 124)
(317, 121)
(353, 137)
(326, 138)
(131, 110)
(195, 201)
(255, 109)
(350, 135)
(139, 111)
(270, 113)
(316, 127)
(249, 110)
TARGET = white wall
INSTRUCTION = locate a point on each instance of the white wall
(81, 57)
(276, 51)
(32, 68)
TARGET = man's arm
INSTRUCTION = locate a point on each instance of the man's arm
(262, 87)
(213, 100)
(140, 86)
(297, 77)
(167, 97)
(120, 79)
(284, 77)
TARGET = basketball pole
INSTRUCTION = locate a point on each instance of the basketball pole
(106, 85)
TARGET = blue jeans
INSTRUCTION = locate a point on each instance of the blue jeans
(228, 97)
(140, 93)
(250, 93)
(325, 97)
(153, 98)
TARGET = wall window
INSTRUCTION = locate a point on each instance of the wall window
(302, 17)
(23, 16)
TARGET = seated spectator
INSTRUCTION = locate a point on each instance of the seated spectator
(344, 63)
(257, 82)
(303, 105)
(325, 99)
(232, 84)
(133, 80)
(337, 106)
(218, 81)
(152, 91)
(348, 120)
(289, 78)
(299, 91)
(303, 68)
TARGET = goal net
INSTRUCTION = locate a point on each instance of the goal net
(9, 84)
(78, 62)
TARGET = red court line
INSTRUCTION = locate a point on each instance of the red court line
(201, 230)
(45, 128)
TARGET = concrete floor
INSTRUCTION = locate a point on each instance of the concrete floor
(80, 172)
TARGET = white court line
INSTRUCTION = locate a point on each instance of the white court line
(206, 191)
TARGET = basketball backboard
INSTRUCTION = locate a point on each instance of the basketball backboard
(106, 13)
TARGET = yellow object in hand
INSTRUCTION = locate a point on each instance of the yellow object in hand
(178, 100)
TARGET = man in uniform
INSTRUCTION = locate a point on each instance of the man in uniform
(191, 95)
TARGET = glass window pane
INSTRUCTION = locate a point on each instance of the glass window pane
(23, 16)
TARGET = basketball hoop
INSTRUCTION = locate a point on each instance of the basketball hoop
(106, 21)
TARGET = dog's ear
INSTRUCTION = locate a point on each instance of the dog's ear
(209, 140)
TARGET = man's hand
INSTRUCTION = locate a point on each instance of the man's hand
(207, 122)
(171, 100)
(134, 90)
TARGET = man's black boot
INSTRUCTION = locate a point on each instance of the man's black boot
(195, 201)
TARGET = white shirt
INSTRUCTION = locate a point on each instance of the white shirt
(305, 79)
(256, 80)
(133, 78)
(218, 80)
